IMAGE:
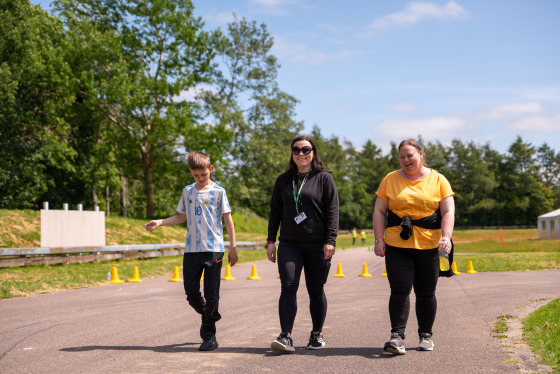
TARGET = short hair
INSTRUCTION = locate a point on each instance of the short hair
(198, 160)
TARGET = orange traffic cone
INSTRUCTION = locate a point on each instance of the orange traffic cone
(176, 277)
(339, 273)
(454, 268)
(384, 272)
(227, 276)
(135, 276)
(202, 276)
(254, 275)
(471, 269)
(115, 276)
(365, 272)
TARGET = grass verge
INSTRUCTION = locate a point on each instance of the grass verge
(542, 332)
(30, 280)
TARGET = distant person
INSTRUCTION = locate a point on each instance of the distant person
(418, 202)
(363, 236)
(304, 204)
(354, 236)
(203, 204)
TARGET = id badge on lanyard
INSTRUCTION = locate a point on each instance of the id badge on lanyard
(301, 216)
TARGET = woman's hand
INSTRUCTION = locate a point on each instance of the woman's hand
(271, 252)
(328, 250)
(379, 248)
(445, 244)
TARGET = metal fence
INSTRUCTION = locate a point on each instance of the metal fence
(13, 257)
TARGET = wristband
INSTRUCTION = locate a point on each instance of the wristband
(270, 242)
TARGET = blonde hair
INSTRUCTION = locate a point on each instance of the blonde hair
(198, 160)
(415, 144)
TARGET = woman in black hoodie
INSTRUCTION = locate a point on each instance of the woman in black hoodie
(304, 204)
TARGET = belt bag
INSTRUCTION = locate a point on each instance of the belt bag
(431, 222)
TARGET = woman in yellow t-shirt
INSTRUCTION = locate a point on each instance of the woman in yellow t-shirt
(419, 205)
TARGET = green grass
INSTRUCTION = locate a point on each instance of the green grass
(36, 279)
(542, 331)
(501, 327)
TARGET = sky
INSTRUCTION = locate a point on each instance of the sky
(476, 70)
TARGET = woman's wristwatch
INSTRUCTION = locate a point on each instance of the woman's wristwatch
(378, 240)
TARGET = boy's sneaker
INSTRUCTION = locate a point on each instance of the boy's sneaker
(426, 342)
(395, 345)
(283, 343)
(315, 340)
(208, 344)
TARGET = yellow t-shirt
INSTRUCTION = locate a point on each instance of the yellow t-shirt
(414, 199)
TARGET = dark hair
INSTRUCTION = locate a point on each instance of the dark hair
(415, 144)
(316, 163)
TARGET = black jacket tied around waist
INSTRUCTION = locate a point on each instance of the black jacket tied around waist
(431, 222)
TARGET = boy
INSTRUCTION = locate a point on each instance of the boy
(203, 204)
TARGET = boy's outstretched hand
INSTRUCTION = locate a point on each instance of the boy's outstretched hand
(232, 256)
(152, 225)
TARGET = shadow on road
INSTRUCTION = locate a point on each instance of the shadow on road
(267, 352)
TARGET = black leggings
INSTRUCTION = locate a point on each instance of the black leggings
(291, 261)
(407, 268)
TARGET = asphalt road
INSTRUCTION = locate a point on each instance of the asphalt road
(149, 328)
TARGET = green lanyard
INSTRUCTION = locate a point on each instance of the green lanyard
(296, 197)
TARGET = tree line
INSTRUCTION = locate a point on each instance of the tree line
(103, 99)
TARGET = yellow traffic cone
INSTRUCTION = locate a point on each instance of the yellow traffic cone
(115, 276)
(339, 273)
(176, 277)
(202, 276)
(384, 272)
(454, 268)
(365, 272)
(227, 276)
(135, 276)
(254, 275)
(471, 269)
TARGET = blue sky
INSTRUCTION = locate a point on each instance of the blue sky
(386, 70)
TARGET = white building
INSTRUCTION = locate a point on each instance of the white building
(549, 225)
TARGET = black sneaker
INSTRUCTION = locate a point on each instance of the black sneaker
(315, 340)
(208, 344)
(395, 345)
(283, 343)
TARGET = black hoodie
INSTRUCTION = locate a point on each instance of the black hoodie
(319, 202)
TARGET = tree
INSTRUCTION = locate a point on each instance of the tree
(473, 182)
(149, 52)
(35, 91)
(524, 195)
(245, 103)
(549, 164)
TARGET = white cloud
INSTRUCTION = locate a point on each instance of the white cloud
(275, 7)
(414, 13)
(442, 127)
(297, 52)
(191, 95)
(330, 28)
(532, 124)
(509, 110)
(402, 108)
(219, 18)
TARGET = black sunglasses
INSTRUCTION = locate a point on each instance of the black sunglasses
(305, 150)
